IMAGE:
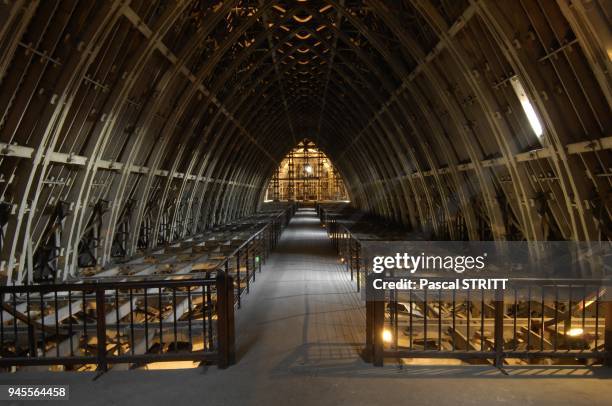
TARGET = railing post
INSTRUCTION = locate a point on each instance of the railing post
(238, 278)
(268, 241)
(246, 264)
(231, 328)
(264, 244)
(226, 346)
(379, 324)
(261, 251)
(254, 255)
(101, 329)
(277, 234)
(336, 237)
(498, 334)
(369, 346)
(275, 226)
(375, 322)
(349, 255)
(31, 341)
(608, 333)
(358, 265)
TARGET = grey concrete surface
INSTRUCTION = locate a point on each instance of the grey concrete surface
(299, 335)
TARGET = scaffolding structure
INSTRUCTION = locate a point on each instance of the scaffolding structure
(275, 186)
(290, 195)
(306, 174)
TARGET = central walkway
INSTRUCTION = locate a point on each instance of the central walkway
(299, 334)
(305, 312)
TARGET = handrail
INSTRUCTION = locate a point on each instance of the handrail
(50, 340)
(504, 325)
(171, 283)
(184, 301)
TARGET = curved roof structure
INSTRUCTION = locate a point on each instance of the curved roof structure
(142, 115)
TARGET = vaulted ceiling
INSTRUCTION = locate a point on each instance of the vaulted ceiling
(172, 115)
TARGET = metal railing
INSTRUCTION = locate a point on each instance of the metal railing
(135, 319)
(534, 319)
(242, 262)
(345, 243)
(540, 319)
(120, 322)
(247, 259)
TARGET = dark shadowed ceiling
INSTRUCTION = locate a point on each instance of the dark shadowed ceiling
(167, 117)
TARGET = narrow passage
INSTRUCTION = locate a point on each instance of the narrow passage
(304, 312)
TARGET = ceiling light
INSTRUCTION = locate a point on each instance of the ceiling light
(530, 112)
